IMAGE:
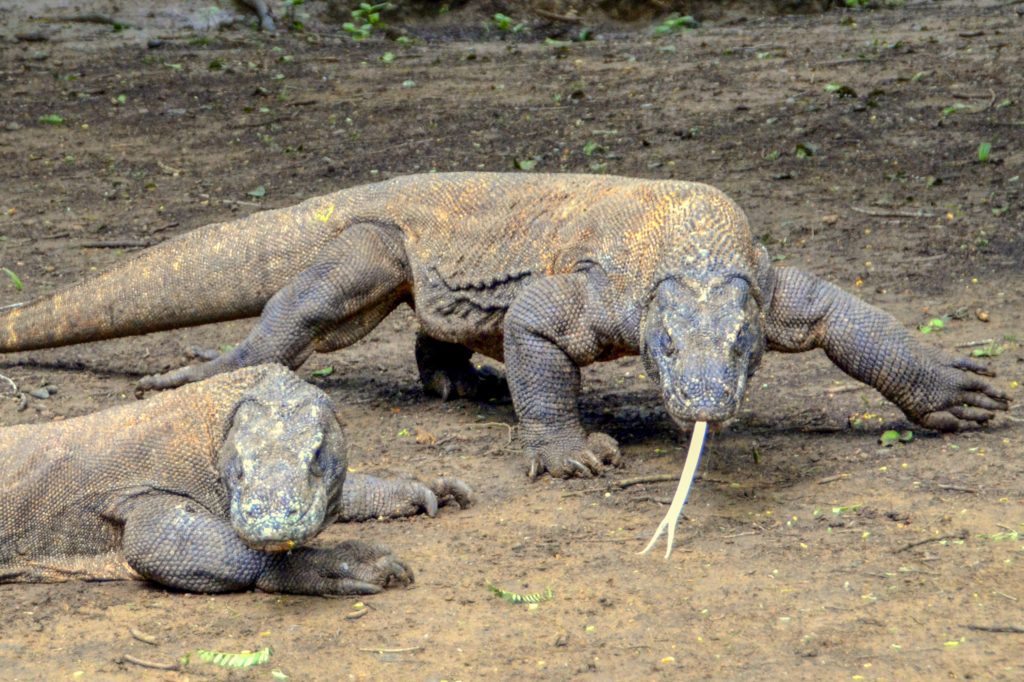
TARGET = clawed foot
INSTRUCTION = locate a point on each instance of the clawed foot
(353, 567)
(584, 460)
(213, 362)
(368, 497)
(412, 497)
(961, 397)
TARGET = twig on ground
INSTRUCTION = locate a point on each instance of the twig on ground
(893, 214)
(142, 636)
(957, 488)
(393, 651)
(551, 16)
(10, 382)
(117, 245)
(624, 483)
(1014, 629)
(962, 535)
(640, 480)
(128, 658)
(91, 18)
(972, 344)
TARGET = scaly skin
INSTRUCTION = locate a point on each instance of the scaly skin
(200, 489)
(545, 272)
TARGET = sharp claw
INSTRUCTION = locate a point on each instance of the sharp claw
(983, 401)
(535, 469)
(450, 490)
(971, 414)
(428, 501)
(398, 572)
(578, 467)
(351, 586)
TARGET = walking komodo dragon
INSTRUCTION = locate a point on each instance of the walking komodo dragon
(206, 488)
(545, 272)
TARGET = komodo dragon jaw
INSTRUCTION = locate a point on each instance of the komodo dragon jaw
(283, 464)
(701, 341)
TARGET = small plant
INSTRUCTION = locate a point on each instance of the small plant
(365, 18)
(52, 119)
(805, 150)
(990, 350)
(984, 149)
(840, 90)
(517, 598)
(14, 279)
(295, 17)
(370, 14)
(891, 437)
(357, 32)
(675, 23)
(503, 22)
(936, 324)
(245, 659)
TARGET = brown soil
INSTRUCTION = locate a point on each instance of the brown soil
(807, 550)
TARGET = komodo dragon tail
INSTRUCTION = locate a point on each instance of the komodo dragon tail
(219, 272)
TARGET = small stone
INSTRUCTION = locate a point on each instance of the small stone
(981, 315)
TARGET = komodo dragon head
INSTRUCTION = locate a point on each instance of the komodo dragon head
(702, 338)
(283, 462)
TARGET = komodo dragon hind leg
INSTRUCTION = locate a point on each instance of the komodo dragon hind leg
(360, 277)
(445, 371)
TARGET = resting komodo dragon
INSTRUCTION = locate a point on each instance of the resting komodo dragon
(202, 489)
(545, 272)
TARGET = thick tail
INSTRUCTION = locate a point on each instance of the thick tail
(219, 272)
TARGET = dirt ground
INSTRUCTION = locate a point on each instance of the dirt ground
(807, 550)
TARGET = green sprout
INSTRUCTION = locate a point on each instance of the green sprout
(504, 22)
(675, 23)
(984, 149)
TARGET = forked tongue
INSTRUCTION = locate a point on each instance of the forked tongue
(700, 430)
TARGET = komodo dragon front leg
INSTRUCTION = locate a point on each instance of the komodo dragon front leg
(934, 389)
(173, 541)
(555, 326)
(360, 277)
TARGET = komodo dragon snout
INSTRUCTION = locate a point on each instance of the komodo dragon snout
(701, 340)
(282, 469)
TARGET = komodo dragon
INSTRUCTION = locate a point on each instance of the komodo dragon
(201, 489)
(547, 272)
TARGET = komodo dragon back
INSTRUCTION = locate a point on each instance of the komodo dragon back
(220, 272)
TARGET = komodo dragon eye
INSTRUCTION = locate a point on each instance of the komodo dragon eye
(318, 462)
(669, 345)
(235, 470)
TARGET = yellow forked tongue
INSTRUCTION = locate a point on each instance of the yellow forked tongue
(700, 429)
